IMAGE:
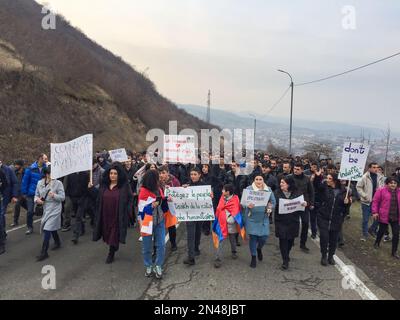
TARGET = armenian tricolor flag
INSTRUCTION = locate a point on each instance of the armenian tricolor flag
(146, 198)
(220, 225)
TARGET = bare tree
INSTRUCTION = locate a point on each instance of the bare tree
(386, 135)
(319, 150)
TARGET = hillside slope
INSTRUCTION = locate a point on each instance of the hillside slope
(57, 84)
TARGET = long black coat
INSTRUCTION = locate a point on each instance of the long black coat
(125, 207)
(286, 225)
(332, 209)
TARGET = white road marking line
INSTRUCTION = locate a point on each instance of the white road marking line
(355, 282)
(20, 227)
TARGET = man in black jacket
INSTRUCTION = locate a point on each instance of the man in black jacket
(3, 186)
(233, 177)
(269, 179)
(77, 190)
(304, 187)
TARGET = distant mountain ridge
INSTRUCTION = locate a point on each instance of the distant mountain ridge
(227, 119)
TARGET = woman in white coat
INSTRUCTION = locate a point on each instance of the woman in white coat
(50, 194)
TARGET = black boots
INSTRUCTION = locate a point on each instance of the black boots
(253, 262)
(331, 260)
(324, 261)
(57, 242)
(259, 254)
(111, 255)
(285, 265)
(43, 254)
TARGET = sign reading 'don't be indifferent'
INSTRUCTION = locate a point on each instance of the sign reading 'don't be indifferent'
(191, 203)
(354, 157)
(179, 148)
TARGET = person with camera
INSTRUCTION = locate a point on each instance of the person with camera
(49, 196)
(256, 220)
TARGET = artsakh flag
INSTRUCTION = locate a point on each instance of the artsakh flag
(220, 224)
(146, 198)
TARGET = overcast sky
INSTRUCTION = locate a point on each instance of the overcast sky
(234, 48)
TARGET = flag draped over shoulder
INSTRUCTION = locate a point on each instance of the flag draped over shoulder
(220, 224)
(146, 198)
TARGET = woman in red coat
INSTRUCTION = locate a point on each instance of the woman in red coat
(386, 208)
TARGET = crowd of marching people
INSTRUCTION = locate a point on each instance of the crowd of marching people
(117, 196)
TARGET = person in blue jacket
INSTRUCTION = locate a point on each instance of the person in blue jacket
(256, 220)
(9, 194)
(32, 176)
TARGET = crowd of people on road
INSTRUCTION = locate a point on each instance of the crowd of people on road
(117, 196)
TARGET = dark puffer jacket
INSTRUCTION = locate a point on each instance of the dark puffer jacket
(332, 207)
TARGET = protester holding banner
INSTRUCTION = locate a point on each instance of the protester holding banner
(49, 194)
(167, 180)
(113, 206)
(228, 223)
(366, 188)
(32, 176)
(386, 210)
(330, 214)
(286, 225)
(256, 220)
(193, 228)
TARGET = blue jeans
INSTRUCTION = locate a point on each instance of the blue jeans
(366, 214)
(29, 215)
(159, 241)
(256, 242)
(2, 224)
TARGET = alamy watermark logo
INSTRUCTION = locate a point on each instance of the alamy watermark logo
(349, 21)
(49, 280)
(211, 145)
(49, 20)
(348, 281)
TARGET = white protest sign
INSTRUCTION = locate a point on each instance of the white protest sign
(118, 155)
(258, 198)
(179, 148)
(354, 157)
(72, 156)
(291, 205)
(191, 203)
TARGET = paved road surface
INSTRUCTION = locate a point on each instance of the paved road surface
(82, 274)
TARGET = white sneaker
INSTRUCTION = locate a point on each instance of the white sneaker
(140, 239)
(149, 271)
(158, 272)
(29, 231)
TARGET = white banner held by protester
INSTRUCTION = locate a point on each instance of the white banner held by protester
(118, 155)
(72, 156)
(191, 203)
(179, 148)
(291, 205)
(354, 157)
(258, 198)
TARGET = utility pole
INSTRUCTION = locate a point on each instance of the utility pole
(387, 136)
(208, 118)
(291, 111)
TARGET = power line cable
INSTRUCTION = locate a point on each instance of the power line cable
(348, 71)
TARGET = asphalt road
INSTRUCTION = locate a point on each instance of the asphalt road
(81, 273)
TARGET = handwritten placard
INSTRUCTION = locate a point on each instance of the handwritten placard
(287, 206)
(72, 156)
(179, 149)
(258, 198)
(118, 155)
(354, 157)
(191, 203)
